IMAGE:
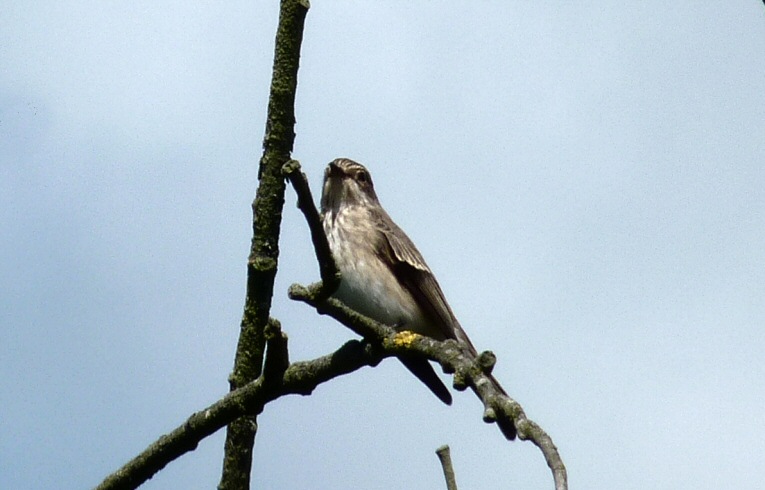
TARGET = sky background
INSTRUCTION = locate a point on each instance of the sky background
(585, 178)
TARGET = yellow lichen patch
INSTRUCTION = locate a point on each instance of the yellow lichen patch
(405, 338)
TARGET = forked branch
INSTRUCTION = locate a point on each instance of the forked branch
(299, 378)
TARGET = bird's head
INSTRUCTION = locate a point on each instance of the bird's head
(346, 183)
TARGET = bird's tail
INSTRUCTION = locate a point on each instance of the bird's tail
(422, 369)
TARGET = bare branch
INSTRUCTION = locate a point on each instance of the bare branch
(303, 377)
(277, 355)
(266, 222)
(444, 455)
(330, 275)
(453, 358)
(528, 429)
(300, 378)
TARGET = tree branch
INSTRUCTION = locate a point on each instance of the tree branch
(300, 378)
(444, 456)
(330, 275)
(303, 377)
(264, 251)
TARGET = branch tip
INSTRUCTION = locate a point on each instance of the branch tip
(273, 328)
(277, 358)
(290, 168)
(297, 292)
(445, 457)
(460, 382)
(486, 361)
(489, 415)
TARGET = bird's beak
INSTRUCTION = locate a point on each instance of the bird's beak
(334, 170)
(333, 178)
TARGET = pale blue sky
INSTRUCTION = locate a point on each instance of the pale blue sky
(586, 179)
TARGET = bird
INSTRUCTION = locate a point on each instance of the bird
(383, 274)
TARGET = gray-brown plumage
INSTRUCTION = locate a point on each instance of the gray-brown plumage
(383, 274)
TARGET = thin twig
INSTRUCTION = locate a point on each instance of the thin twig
(330, 275)
(445, 457)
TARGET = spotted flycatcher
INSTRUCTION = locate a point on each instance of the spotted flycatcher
(383, 274)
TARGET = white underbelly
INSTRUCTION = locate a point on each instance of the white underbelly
(369, 287)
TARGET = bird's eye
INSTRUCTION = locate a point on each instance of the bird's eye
(362, 176)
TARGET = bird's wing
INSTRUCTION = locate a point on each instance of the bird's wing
(411, 270)
(413, 273)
